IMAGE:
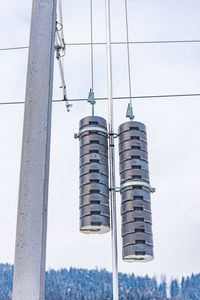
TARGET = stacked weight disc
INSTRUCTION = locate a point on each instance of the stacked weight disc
(94, 190)
(135, 193)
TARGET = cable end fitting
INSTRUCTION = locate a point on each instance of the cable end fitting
(91, 97)
(68, 106)
(129, 112)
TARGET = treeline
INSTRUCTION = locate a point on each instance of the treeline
(82, 284)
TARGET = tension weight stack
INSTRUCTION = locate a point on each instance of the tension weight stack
(137, 241)
(94, 186)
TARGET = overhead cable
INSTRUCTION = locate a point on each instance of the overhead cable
(114, 98)
(128, 53)
(92, 44)
(113, 43)
(129, 112)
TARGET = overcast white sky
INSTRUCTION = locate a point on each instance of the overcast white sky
(172, 124)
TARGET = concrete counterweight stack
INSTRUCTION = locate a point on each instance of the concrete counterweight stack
(94, 186)
(137, 238)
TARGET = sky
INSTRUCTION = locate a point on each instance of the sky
(172, 128)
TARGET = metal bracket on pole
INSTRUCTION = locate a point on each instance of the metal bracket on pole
(60, 47)
(133, 183)
(137, 183)
(90, 128)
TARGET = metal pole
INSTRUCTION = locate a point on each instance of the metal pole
(30, 250)
(112, 158)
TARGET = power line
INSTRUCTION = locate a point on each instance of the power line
(115, 98)
(113, 43)
(15, 48)
(128, 55)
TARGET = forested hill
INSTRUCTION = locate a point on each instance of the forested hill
(93, 285)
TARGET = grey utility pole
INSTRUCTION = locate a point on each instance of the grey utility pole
(30, 251)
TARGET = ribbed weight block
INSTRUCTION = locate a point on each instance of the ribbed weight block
(133, 164)
(94, 178)
(93, 121)
(135, 193)
(94, 168)
(95, 224)
(138, 252)
(93, 139)
(137, 238)
(128, 126)
(94, 199)
(132, 145)
(140, 187)
(135, 205)
(134, 174)
(136, 216)
(93, 148)
(136, 227)
(131, 154)
(94, 209)
(94, 186)
(132, 135)
(93, 157)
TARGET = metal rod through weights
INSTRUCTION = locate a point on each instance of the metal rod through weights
(112, 157)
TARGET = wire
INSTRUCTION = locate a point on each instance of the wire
(115, 98)
(61, 20)
(92, 44)
(15, 48)
(128, 54)
(113, 43)
(135, 42)
(60, 47)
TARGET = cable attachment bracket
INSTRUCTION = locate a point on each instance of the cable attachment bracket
(129, 112)
(60, 50)
(91, 100)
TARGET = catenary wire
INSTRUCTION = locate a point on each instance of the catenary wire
(128, 54)
(92, 44)
(114, 98)
(113, 43)
(61, 20)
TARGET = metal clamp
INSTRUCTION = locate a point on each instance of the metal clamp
(140, 183)
(90, 128)
(115, 135)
